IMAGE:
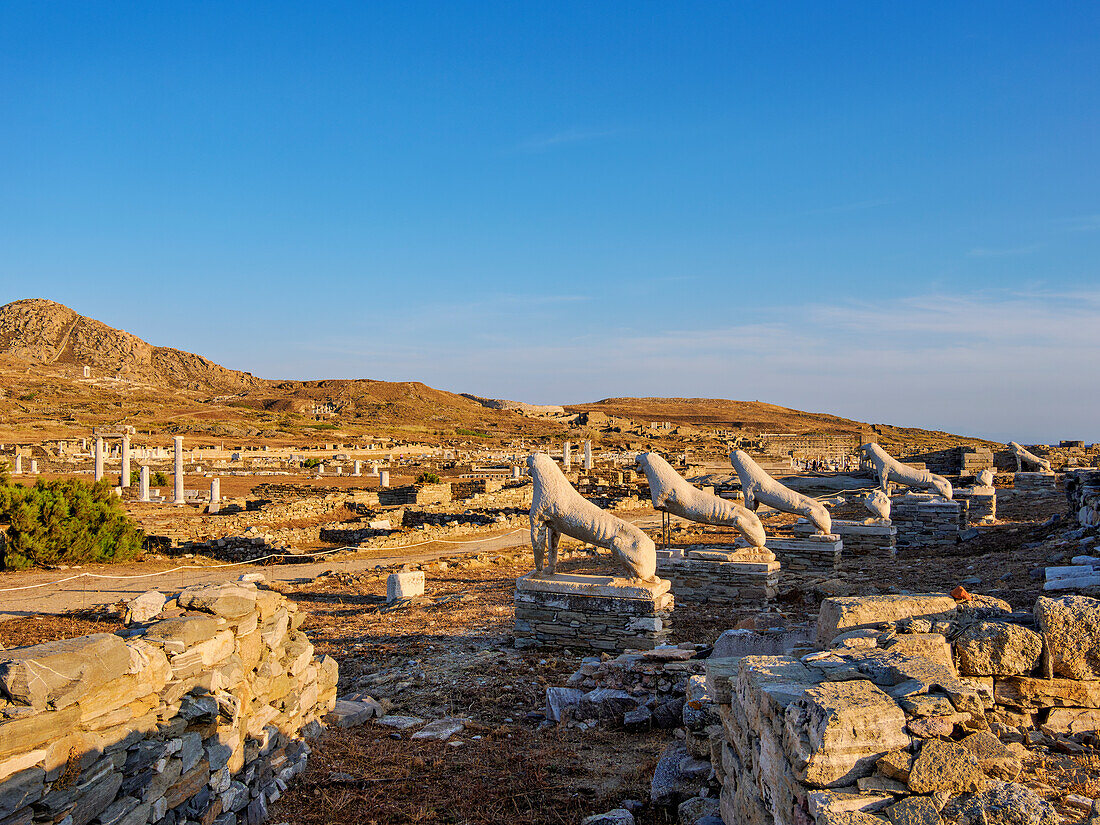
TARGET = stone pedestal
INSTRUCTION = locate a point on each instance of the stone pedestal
(981, 504)
(814, 552)
(720, 574)
(926, 521)
(1036, 482)
(600, 613)
(873, 537)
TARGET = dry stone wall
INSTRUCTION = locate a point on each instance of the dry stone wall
(919, 707)
(198, 715)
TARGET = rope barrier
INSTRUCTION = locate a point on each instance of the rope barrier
(241, 563)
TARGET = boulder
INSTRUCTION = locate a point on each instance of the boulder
(842, 613)
(1004, 803)
(617, 816)
(897, 764)
(836, 731)
(561, 701)
(998, 649)
(145, 607)
(695, 809)
(677, 776)
(993, 756)
(229, 600)
(1071, 630)
(945, 766)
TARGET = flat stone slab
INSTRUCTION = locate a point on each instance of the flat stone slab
(394, 720)
(739, 555)
(574, 584)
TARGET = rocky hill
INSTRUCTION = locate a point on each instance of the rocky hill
(41, 332)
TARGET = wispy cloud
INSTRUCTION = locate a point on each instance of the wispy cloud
(542, 143)
(1002, 252)
(1081, 223)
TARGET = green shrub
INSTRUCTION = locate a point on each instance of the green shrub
(471, 433)
(64, 521)
(427, 478)
(159, 479)
(310, 463)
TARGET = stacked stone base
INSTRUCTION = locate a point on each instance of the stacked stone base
(927, 522)
(597, 613)
(716, 575)
(874, 537)
(981, 504)
(815, 552)
(1035, 482)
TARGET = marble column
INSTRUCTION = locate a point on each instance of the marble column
(34, 467)
(143, 483)
(587, 456)
(124, 476)
(98, 459)
(567, 456)
(18, 464)
(358, 469)
(177, 487)
(383, 478)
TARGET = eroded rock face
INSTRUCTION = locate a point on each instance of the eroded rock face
(998, 649)
(835, 732)
(1071, 629)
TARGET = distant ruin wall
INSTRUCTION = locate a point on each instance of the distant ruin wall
(197, 716)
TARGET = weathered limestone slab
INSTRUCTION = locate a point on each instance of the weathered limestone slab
(592, 612)
(1026, 693)
(1035, 482)
(841, 613)
(835, 732)
(61, 672)
(1071, 630)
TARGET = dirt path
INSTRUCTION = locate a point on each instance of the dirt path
(86, 591)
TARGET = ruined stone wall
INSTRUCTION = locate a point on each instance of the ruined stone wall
(907, 712)
(197, 715)
(1083, 492)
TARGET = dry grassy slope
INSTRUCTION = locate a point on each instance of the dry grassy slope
(44, 346)
(40, 332)
(720, 412)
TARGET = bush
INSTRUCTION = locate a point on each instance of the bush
(310, 463)
(64, 521)
(159, 479)
(427, 478)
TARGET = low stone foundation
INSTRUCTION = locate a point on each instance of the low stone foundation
(814, 552)
(197, 716)
(926, 521)
(598, 613)
(1035, 482)
(981, 504)
(875, 537)
(717, 575)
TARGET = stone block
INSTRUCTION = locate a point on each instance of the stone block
(404, 585)
(1071, 631)
(945, 766)
(229, 600)
(998, 649)
(1028, 693)
(840, 613)
(835, 732)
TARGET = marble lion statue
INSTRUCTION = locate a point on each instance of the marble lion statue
(557, 509)
(674, 494)
(878, 503)
(760, 488)
(1030, 459)
(890, 469)
(985, 478)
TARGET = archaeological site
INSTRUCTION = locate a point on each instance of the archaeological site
(231, 601)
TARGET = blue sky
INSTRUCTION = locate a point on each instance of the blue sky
(886, 211)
